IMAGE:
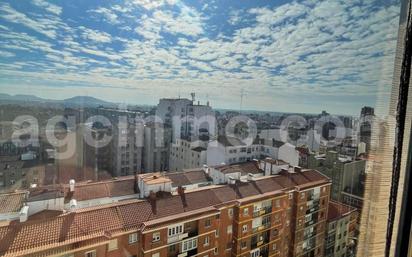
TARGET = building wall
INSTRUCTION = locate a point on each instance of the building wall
(127, 149)
(218, 154)
(310, 211)
(182, 156)
(271, 225)
(156, 148)
(337, 237)
(50, 204)
(289, 154)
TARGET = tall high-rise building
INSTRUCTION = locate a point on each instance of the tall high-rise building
(188, 120)
(344, 171)
(156, 147)
(367, 110)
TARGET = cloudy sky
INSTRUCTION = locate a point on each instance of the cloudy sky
(300, 56)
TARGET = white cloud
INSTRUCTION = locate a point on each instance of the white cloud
(96, 36)
(40, 26)
(153, 4)
(291, 50)
(52, 8)
(6, 54)
(110, 16)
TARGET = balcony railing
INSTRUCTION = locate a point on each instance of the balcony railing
(309, 235)
(261, 227)
(259, 243)
(263, 211)
(313, 206)
(192, 233)
(176, 238)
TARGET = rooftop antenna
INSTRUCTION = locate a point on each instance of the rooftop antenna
(241, 99)
(193, 95)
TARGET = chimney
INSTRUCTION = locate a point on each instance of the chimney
(73, 204)
(152, 200)
(284, 172)
(71, 184)
(24, 213)
(181, 192)
(136, 185)
(298, 169)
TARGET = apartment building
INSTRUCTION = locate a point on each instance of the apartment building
(156, 147)
(127, 148)
(188, 120)
(231, 150)
(16, 173)
(276, 215)
(185, 155)
(347, 174)
(339, 232)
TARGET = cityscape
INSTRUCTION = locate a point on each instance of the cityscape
(181, 178)
(180, 128)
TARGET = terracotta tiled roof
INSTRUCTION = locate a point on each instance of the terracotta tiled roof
(275, 161)
(243, 168)
(133, 214)
(178, 179)
(94, 190)
(188, 177)
(11, 202)
(338, 210)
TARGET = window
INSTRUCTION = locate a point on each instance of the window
(217, 233)
(246, 211)
(156, 255)
(156, 237)
(175, 230)
(189, 244)
(277, 203)
(216, 251)
(90, 254)
(207, 223)
(206, 243)
(243, 244)
(229, 229)
(172, 248)
(132, 238)
(230, 212)
(255, 253)
(112, 245)
(244, 228)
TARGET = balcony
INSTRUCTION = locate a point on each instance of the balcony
(263, 211)
(313, 206)
(260, 240)
(309, 235)
(261, 227)
(192, 233)
(176, 238)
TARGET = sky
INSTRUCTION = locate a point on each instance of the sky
(285, 56)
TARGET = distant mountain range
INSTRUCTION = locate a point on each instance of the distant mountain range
(86, 101)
